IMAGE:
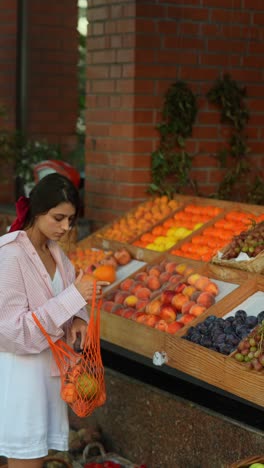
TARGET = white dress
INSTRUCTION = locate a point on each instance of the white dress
(33, 417)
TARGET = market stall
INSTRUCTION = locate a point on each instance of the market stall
(188, 295)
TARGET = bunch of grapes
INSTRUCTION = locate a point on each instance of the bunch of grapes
(251, 242)
(251, 349)
(223, 335)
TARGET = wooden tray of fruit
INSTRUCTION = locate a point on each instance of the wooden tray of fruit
(149, 329)
(245, 251)
(143, 217)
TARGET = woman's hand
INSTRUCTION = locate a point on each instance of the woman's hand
(78, 329)
(86, 288)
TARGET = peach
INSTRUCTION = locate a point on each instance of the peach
(161, 325)
(206, 299)
(193, 278)
(166, 296)
(170, 267)
(142, 293)
(137, 285)
(201, 283)
(195, 296)
(153, 307)
(141, 304)
(180, 268)
(164, 277)
(186, 307)
(126, 284)
(151, 320)
(141, 276)
(189, 271)
(140, 317)
(120, 296)
(128, 312)
(212, 288)
(173, 327)
(197, 310)
(118, 309)
(178, 301)
(167, 313)
(108, 306)
(155, 271)
(186, 318)
(131, 300)
(179, 287)
(153, 283)
(189, 290)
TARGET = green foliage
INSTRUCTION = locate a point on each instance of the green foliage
(171, 160)
(30, 153)
(229, 97)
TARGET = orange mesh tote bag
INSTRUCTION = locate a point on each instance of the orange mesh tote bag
(82, 375)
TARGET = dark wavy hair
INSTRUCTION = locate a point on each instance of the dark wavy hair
(49, 192)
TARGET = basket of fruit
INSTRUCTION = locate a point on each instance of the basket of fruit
(245, 251)
(250, 462)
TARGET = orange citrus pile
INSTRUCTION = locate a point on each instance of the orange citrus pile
(213, 238)
(84, 258)
(143, 218)
(177, 227)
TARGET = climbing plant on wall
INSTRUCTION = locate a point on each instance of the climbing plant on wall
(238, 182)
(171, 163)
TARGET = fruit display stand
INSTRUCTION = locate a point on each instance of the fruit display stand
(218, 371)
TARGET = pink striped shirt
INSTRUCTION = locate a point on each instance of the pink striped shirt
(25, 286)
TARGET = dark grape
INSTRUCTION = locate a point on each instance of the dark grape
(251, 321)
(260, 316)
(241, 314)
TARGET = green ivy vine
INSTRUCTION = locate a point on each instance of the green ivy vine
(229, 97)
(171, 163)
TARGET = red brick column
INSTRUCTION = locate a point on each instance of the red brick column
(136, 50)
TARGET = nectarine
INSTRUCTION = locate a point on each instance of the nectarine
(126, 284)
(178, 301)
(206, 299)
(173, 327)
(153, 307)
(197, 310)
(161, 325)
(167, 313)
(153, 283)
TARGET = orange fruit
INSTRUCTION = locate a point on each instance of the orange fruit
(105, 273)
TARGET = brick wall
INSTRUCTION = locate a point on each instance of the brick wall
(136, 50)
(52, 71)
(8, 34)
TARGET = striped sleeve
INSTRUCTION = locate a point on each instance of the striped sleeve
(18, 332)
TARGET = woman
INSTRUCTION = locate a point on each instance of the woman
(35, 275)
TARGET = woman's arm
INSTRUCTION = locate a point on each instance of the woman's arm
(18, 332)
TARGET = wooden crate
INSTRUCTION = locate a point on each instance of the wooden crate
(199, 362)
(101, 233)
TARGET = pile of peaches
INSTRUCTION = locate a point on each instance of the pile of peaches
(87, 259)
(183, 223)
(140, 220)
(211, 239)
(165, 296)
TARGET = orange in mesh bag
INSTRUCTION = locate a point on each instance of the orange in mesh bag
(82, 375)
